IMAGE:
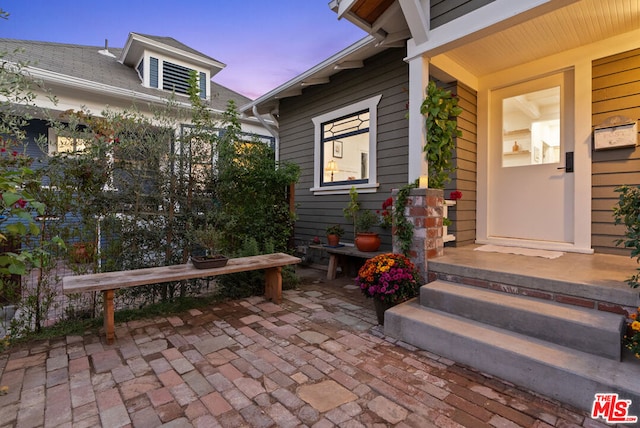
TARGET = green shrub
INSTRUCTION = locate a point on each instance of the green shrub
(627, 213)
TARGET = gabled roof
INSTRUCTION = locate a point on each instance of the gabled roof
(84, 67)
(137, 43)
(348, 58)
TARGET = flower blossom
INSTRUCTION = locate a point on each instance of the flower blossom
(455, 195)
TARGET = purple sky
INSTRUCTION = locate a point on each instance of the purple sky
(264, 43)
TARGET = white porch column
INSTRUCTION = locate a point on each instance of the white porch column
(418, 80)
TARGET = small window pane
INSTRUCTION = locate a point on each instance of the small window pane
(345, 149)
(531, 128)
(70, 145)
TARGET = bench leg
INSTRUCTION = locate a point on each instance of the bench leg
(333, 267)
(109, 325)
(273, 284)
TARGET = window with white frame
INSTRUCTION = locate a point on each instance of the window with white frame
(65, 142)
(345, 148)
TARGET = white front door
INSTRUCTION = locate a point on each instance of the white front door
(530, 193)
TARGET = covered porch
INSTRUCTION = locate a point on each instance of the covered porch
(589, 280)
(553, 325)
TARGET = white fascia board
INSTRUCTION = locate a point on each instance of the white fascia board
(344, 6)
(53, 78)
(480, 22)
(88, 85)
(297, 81)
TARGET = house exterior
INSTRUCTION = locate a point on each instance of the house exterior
(142, 76)
(539, 81)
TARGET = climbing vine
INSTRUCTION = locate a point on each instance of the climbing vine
(403, 227)
(440, 109)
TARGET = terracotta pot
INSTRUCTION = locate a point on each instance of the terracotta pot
(333, 240)
(81, 252)
(367, 242)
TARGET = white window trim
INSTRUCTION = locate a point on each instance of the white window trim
(371, 185)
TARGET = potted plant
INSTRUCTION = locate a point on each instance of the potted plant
(366, 239)
(388, 279)
(351, 210)
(82, 252)
(209, 239)
(334, 233)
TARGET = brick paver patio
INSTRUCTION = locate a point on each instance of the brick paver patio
(316, 360)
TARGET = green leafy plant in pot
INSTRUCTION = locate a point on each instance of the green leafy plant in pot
(334, 233)
(208, 238)
(366, 239)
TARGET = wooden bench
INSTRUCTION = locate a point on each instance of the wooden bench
(108, 282)
(340, 256)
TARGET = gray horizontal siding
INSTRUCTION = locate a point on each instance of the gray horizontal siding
(615, 91)
(385, 74)
(464, 179)
(443, 11)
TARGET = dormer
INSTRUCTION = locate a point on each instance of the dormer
(164, 63)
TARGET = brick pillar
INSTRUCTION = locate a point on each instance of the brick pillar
(424, 210)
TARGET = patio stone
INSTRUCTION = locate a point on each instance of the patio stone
(326, 395)
(216, 404)
(387, 410)
(115, 417)
(249, 387)
(317, 360)
(313, 337)
(57, 362)
(153, 347)
(147, 418)
(215, 344)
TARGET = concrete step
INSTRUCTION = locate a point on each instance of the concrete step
(566, 374)
(596, 332)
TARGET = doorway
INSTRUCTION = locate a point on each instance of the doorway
(530, 192)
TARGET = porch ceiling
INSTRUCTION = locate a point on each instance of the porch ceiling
(578, 24)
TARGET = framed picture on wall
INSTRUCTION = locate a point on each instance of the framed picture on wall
(337, 149)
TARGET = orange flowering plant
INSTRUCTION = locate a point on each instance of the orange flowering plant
(632, 338)
(390, 277)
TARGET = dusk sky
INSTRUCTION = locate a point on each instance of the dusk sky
(263, 43)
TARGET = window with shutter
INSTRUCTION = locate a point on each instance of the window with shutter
(175, 77)
(153, 72)
(203, 85)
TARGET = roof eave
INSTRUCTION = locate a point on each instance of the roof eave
(129, 56)
(54, 78)
(316, 75)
